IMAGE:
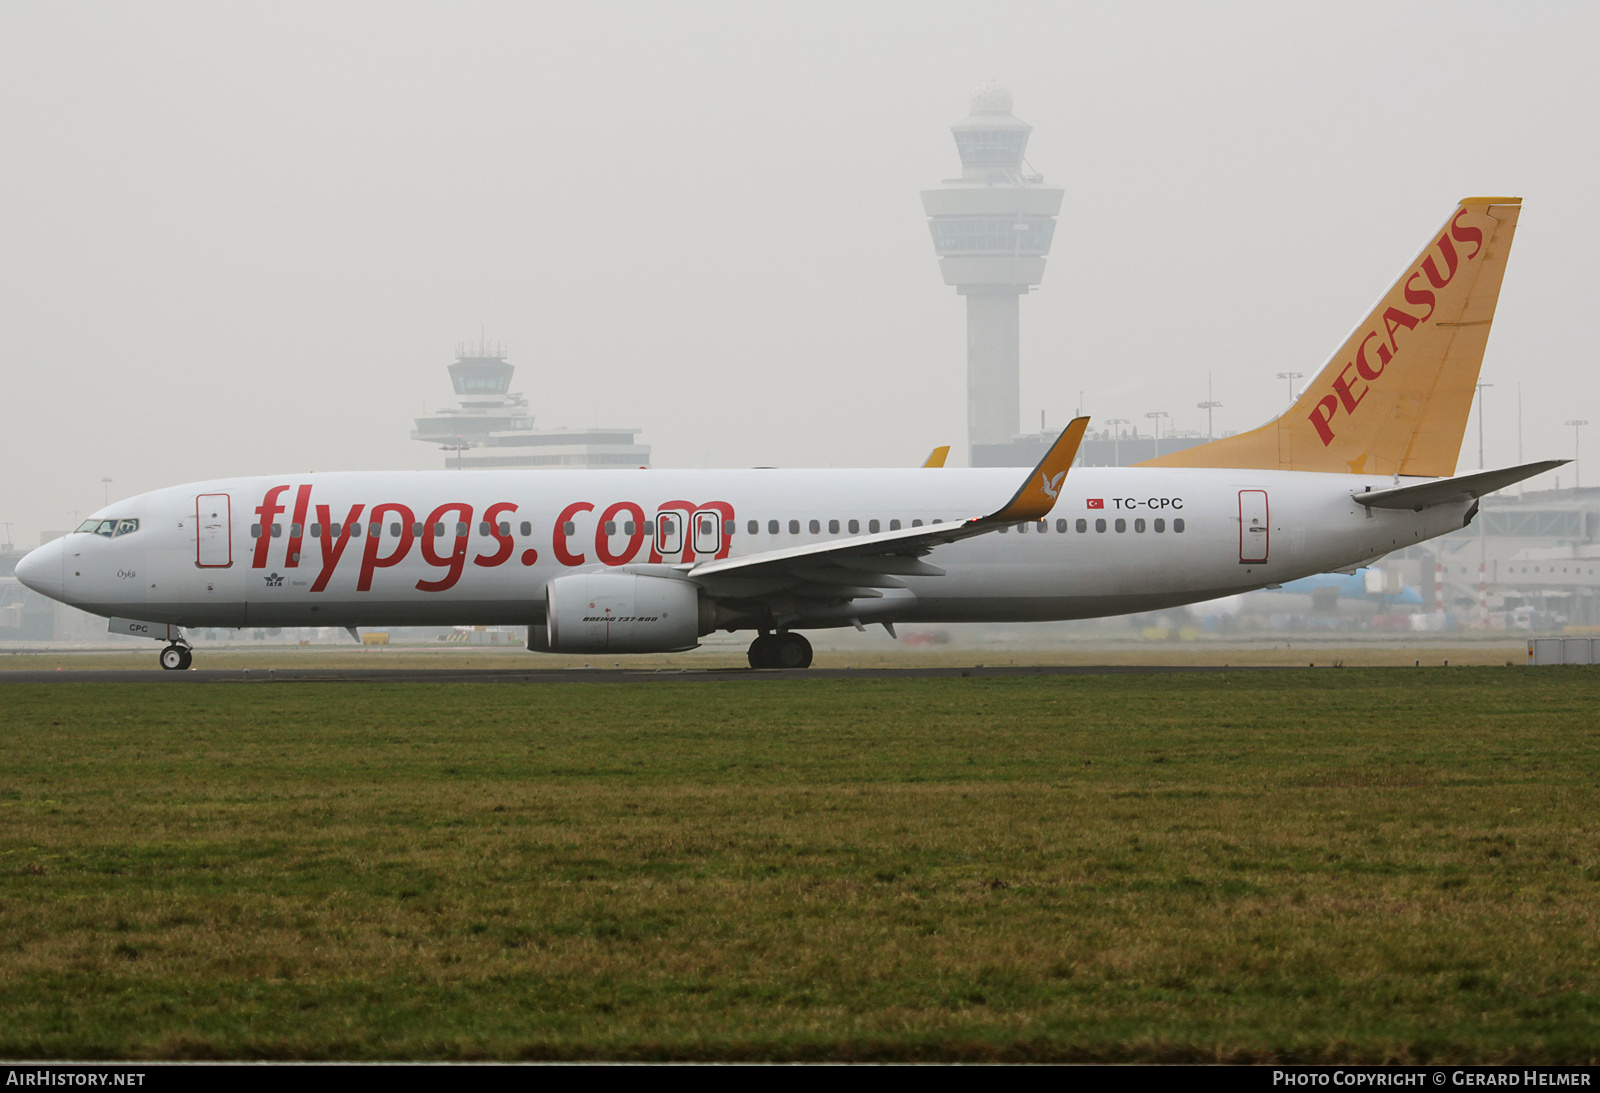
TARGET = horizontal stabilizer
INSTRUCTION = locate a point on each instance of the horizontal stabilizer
(1445, 491)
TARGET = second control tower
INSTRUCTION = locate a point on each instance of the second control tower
(992, 229)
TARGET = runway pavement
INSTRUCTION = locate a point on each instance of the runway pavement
(580, 675)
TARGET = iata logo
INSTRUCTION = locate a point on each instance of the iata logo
(1385, 345)
(274, 580)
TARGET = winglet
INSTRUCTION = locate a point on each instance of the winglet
(937, 457)
(1038, 493)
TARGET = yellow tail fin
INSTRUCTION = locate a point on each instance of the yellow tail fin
(1395, 397)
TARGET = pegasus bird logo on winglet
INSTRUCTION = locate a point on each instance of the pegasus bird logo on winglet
(1051, 486)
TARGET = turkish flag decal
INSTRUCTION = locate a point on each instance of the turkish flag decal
(1096, 503)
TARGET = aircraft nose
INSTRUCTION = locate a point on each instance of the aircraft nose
(40, 569)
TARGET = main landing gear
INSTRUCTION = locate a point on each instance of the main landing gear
(176, 658)
(783, 650)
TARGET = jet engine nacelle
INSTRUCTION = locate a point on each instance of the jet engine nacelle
(621, 613)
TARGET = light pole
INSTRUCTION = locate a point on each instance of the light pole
(1481, 386)
(1577, 468)
(1116, 439)
(1291, 377)
(1208, 405)
(105, 484)
(1158, 415)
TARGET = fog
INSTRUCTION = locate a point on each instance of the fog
(248, 238)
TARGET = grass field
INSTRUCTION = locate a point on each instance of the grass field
(1338, 865)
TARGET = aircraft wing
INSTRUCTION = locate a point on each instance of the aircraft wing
(1444, 491)
(858, 565)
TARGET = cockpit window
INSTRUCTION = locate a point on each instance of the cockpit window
(109, 528)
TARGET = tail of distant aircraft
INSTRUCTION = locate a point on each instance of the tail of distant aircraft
(1395, 397)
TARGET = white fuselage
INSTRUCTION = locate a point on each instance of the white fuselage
(261, 552)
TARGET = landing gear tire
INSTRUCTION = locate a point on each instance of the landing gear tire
(760, 654)
(780, 651)
(790, 651)
(175, 658)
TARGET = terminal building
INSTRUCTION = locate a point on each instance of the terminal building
(1526, 562)
(493, 427)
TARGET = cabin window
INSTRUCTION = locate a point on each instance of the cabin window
(728, 527)
(1004, 528)
(255, 531)
(872, 526)
(611, 527)
(1138, 526)
(794, 527)
(1177, 525)
(1121, 525)
(1100, 526)
(355, 531)
(1022, 529)
(316, 531)
(1160, 525)
(505, 528)
(1061, 526)
(416, 529)
(394, 529)
(815, 527)
(333, 530)
(916, 523)
(894, 525)
(1044, 526)
(483, 527)
(461, 528)
(753, 526)
(569, 528)
(277, 531)
(526, 528)
(628, 528)
(649, 527)
(772, 527)
(833, 527)
(855, 527)
(374, 531)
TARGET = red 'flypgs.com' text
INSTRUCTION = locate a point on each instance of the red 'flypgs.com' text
(441, 537)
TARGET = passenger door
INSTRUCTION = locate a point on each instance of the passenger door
(213, 531)
(1254, 531)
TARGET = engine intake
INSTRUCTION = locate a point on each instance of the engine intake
(621, 613)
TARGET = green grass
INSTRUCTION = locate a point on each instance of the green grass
(1299, 866)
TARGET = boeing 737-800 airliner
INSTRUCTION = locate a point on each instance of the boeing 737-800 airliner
(650, 561)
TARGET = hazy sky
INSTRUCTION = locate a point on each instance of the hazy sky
(242, 238)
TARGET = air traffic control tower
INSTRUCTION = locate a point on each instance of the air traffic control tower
(992, 229)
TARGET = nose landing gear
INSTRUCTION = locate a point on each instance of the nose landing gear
(783, 650)
(176, 658)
